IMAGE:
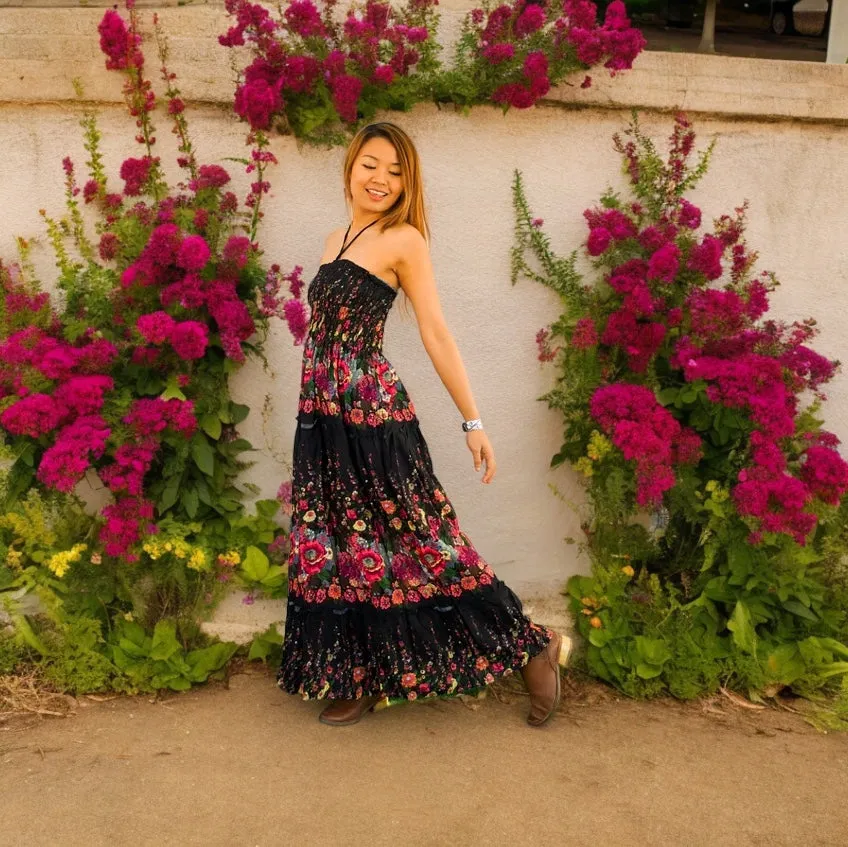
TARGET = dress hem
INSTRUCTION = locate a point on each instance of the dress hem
(407, 652)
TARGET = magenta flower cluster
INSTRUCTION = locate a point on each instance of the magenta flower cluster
(526, 47)
(647, 434)
(122, 47)
(78, 389)
(177, 266)
(70, 410)
(306, 54)
(291, 309)
(685, 307)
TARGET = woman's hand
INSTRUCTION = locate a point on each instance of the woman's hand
(481, 449)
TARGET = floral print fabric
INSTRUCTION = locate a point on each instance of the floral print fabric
(387, 595)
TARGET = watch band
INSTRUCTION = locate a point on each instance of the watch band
(468, 426)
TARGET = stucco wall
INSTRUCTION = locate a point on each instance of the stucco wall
(782, 145)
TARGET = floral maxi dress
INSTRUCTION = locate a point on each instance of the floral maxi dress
(387, 595)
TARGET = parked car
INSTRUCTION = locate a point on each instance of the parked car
(782, 17)
(807, 17)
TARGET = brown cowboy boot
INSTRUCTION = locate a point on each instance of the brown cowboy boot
(541, 676)
(347, 712)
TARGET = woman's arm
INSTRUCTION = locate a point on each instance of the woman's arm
(415, 272)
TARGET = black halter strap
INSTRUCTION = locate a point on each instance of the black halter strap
(346, 243)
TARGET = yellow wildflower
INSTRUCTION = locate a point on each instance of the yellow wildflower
(153, 549)
(198, 561)
(229, 559)
(13, 559)
(584, 465)
(59, 563)
(599, 446)
(627, 570)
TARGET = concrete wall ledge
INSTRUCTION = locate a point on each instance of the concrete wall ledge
(43, 49)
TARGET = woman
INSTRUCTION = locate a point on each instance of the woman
(387, 596)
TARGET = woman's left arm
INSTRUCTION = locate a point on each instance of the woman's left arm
(415, 272)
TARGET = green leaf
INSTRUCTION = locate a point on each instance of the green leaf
(170, 494)
(599, 667)
(239, 412)
(799, 609)
(191, 501)
(653, 651)
(211, 425)
(25, 631)
(558, 459)
(172, 390)
(581, 586)
(668, 395)
(744, 634)
(785, 664)
(310, 119)
(267, 508)
(240, 445)
(834, 669)
(203, 455)
(203, 491)
(648, 671)
(179, 684)
(165, 642)
(599, 637)
(265, 644)
(255, 564)
(207, 660)
(27, 455)
(134, 632)
(274, 578)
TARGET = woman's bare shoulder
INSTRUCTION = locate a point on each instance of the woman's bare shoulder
(405, 238)
(333, 243)
(335, 236)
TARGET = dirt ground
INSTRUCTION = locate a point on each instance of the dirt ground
(246, 765)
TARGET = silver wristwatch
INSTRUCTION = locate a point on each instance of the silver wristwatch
(476, 423)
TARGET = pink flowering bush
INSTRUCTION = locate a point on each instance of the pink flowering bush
(513, 54)
(121, 378)
(319, 74)
(316, 73)
(125, 376)
(717, 502)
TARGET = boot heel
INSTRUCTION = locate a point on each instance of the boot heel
(564, 651)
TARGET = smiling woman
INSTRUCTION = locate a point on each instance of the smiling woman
(388, 598)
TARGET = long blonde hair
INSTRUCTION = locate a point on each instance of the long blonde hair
(409, 207)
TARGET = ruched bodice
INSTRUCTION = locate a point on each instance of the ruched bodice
(344, 371)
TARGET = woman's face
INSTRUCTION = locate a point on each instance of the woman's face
(375, 180)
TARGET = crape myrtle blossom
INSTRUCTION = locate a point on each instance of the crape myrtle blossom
(514, 52)
(647, 435)
(372, 48)
(116, 378)
(679, 307)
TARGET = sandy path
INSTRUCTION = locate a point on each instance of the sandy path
(252, 766)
